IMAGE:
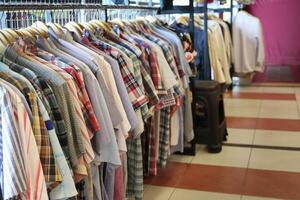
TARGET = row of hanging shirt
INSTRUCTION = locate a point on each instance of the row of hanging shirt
(220, 48)
(88, 109)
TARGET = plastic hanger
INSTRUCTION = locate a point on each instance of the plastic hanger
(26, 33)
(3, 39)
(9, 38)
(56, 30)
(74, 27)
(89, 27)
(118, 21)
(40, 27)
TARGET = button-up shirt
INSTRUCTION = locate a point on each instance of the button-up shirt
(136, 95)
(49, 165)
(61, 92)
(86, 107)
(17, 127)
(46, 91)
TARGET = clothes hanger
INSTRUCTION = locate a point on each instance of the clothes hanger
(118, 21)
(3, 39)
(9, 38)
(182, 20)
(11, 32)
(74, 27)
(55, 28)
(101, 24)
(88, 26)
(39, 28)
(25, 33)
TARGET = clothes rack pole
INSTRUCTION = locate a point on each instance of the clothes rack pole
(206, 66)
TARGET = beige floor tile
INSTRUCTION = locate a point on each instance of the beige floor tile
(298, 100)
(256, 198)
(247, 89)
(225, 101)
(279, 109)
(277, 138)
(297, 90)
(278, 90)
(229, 156)
(158, 193)
(182, 194)
(181, 158)
(145, 187)
(279, 160)
(242, 107)
(298, 97)
(240, 136)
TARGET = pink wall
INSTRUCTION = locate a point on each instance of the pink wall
(281, 23)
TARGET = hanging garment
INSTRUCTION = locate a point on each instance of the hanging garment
(248, 44)
(94, 110)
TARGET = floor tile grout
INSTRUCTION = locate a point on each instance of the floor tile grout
(246, 176)
(172, 193)
(297, 107)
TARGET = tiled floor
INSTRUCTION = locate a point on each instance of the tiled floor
(261, 160)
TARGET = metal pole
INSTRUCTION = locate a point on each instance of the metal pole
(206, 66)
(231, 12)
(105, 14)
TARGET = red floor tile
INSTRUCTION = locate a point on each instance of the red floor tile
(241, 122)
(231, 180)
(263, 123)
(267, 96)
(213, 179)
(169, 176)
(283, 185)
(278, 124)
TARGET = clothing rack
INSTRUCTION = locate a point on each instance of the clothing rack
(15, 7)
(191, 10)
(19, 12)
(205, 71)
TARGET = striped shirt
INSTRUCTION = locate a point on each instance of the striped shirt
(47, 96)
(49, 165)
(86, 106)
(22, 167)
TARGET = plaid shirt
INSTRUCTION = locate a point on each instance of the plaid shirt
(167, 52)
(134, 168)
(138, 99)
(23, 178)
(146, 70)
(149, 148)
(142, 78)
(152, 60)
(50, 168)
(171, 61)
(84, 137)
(164, 135)
(86, 106)
(46, 94)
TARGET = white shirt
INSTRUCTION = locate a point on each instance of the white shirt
(248, 45)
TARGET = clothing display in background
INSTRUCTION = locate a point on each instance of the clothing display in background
(219, 45)
(248, 44)
(88, 110)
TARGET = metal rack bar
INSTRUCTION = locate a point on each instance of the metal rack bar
(207, 68)
(181, 10)
(231, 12)
(15, 7)
(187, 9)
